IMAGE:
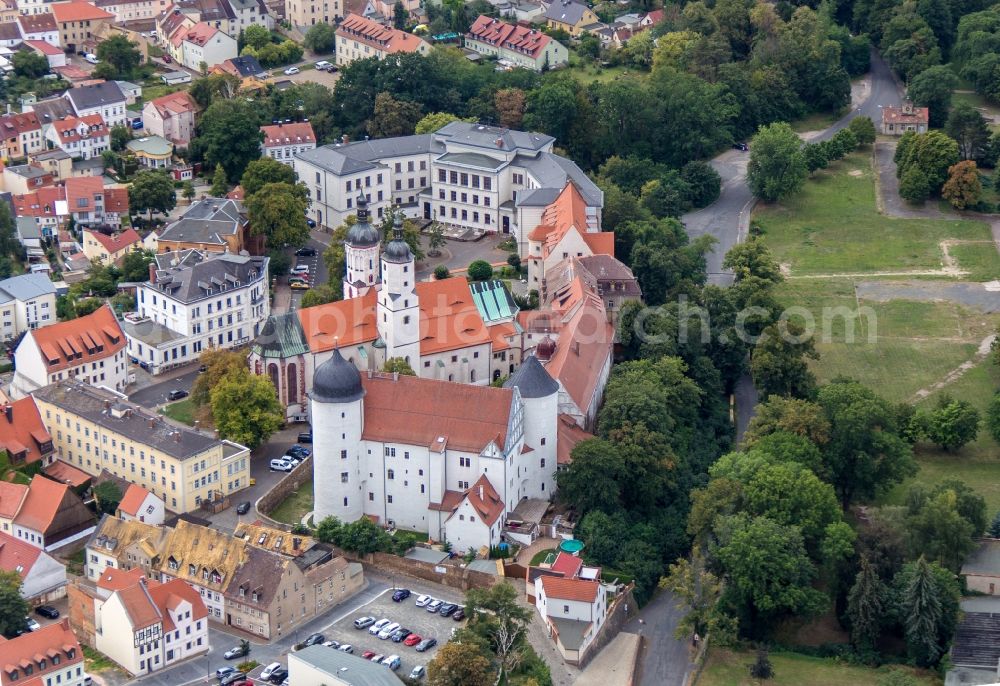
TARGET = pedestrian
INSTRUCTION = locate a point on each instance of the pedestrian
(695, 639)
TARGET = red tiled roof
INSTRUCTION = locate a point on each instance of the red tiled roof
(118, 242)
(568, 434)
(28, 649)
(40, 203)
(567, 565)
(168, 596)
(85, 339)
(69, 130)
(24, 430)
(135, 496)
(16, 555)
(585, 344)
(570, 589)
(38, 23)
(83, 188)
(114, 579)
(174, 103)
(499, 33)
(568, 212)
(485, 500)
(419, 411)
(654, 17)
(78, 11)
(65, 473)
(895, 115)
(116, 200)
(14, 124)
(449, 502)
(286, 134)
(44, 47)
(42, 503)
(11, 497)
(199, 34)
(139, 606)
(381, 38)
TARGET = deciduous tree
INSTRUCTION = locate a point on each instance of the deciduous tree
(13, 607)
(510, 104)
(963, 189)
(264, 171)
(462, 663)
(108, 495)
(966, 125)
(393, 117)
(256, 36)
(152, 191)
(29, 64)
(121, 54)
(953, 423)
(777, 167)
(218, 363)
(932, 88)
(320, 38)
(219, 186)
(245, 408)
(398, 365)
(779, 364)
(230, 135)
(863, 130)
(278, 211)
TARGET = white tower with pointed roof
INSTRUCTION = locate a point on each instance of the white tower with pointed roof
(361, 254)
(398, 311)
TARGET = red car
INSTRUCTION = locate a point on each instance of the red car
(412, 640)
(368, 654)
(166, 58)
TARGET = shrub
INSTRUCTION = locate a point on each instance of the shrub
(993, 417)
(480, 270)
(441, 272)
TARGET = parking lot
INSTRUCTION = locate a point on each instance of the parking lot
(409, 616)
(313, 262)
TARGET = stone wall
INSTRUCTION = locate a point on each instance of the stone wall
(451, 575)
(281, 490)
(81, 611)
(620, 610)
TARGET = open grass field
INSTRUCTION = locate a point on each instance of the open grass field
(729, 668)
(832, 227)
(816, 121)
(181, 411)
(296, 506)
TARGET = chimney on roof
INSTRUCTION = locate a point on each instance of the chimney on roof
(296, 542)
(481, 497)
(152, 272)
(151, 422)
(8, 410)
(576, 347)
(177, 437)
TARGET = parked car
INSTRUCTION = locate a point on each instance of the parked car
(177, 394)
(223, 672)
(323, 65)
(412, 640)
(306, 437)
(279, 676)
(388, 630)
(459, 614)
(32, 624)
(91, 57)
(447, 609)
(332, 644)
(368, 654)
(233, 653)
(434, 605)
(281, 466)
(392, 662)
(418, 672)
(400, 635)
(166, 58)
(363, 622)
(243, 507)
(377, 657)
(299, 269)
(401, 594)
(299, 452)
(47, 611)
(307, 251)
(298, 278)
(269, 670)
(232, 679)
(378, 626)
(299, 286)
(291, 71)
(422, 600)
(426, 644)
(314, 639)
(291, 458)
(311, 223)
(346, 648)
(741, 146)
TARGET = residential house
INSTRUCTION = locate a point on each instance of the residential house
(982, 568)
(195, 301)
(42, 206)
(126, 545)
(386, 8)
(282, 141)
(570, 16)
(53, 54)
(651, 19)
(138, 503)
(209, 225)
(898, 120)
(21, 136)
(574, 610)
(27, 301)
(24, 178)
(80, 23)
(10, 34)
(11, 497)
(25, 439)
(172, 117)
(132, 10)
(615, 282)
(56, 162)
(247, 13)
(515, 45)
(51, 655)
(567, 227)
(305, 13)
(201, 46)
(8, 10)
(149, 626)
(52, 515)
(181, 466)
(319, 666)
(482, 179)
(43, 578)
(40, 25)
(30, 237)
(90, 349)
(132, 91)
(359, 38)
(152, 152)
(110, 248)
(104, 98)
(82, 138)
(242, 67)
(86, 199)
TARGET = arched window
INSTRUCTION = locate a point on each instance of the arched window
(272, 371)
(292, 379)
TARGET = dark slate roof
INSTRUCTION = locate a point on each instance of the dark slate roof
(977, 640)
(261, 572)
(95, 95)
(10, 31)
(565, 11)
(206, 221)
(531, 380)
(100, 406)
(213, 275)
(52, 109)
(554, 171)
(362, 155)
(282, 336)
(336, 381)
(247, 65)
(492, 137)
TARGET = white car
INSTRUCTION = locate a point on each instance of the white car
(35, 626)
(281, 465)
(269, 670)
(418, 672)
(392, 662)
(422, 600)
(90, 57)
(378, 626)
(291, 70)
(346, 648)
(388, 630)
(323, 64)
(299, 269)
(434, 605)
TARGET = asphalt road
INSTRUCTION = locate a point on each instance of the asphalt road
(663, 660)
(884, 91)
(156, 394)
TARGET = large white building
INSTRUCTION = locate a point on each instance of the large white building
(476, 177)
(449, 460)
(27, 301)
(195, 301)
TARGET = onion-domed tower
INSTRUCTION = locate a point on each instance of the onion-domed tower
(336, 405)
(398, 311)
(360, 254)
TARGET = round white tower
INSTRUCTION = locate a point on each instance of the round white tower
(398, 312)
(336, 405)
(360, 254)
(540, 394)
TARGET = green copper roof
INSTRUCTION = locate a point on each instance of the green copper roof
(493, 300)
(282, 336)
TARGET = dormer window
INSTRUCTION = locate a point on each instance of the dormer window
(192, 570)
(14, 676)
(255, 597)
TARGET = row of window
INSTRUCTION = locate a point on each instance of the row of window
(455, 196)
(463, 179)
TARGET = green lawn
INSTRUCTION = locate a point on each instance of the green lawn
(97, 662)
(816, 121)
(181, 411)
(728, 668)
(593, 73)
(833, 227)
(296, 506)
(539, 557)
